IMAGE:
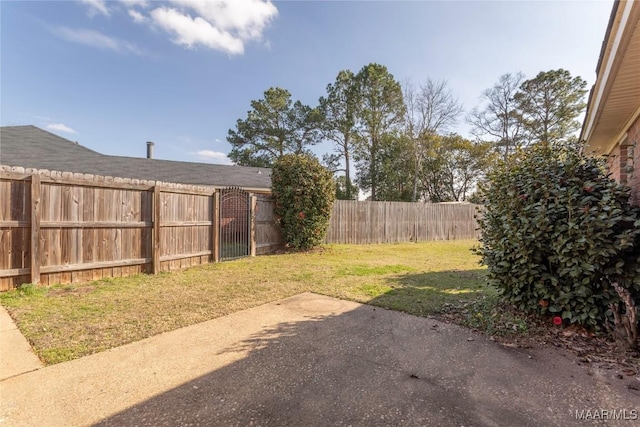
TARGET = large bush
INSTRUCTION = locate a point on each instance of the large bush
(558, 235)
(304, 193)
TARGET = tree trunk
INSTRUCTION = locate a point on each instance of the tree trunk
(626, 325)
(415, 179)
(372, 169)
(347, 173)
(505, 136)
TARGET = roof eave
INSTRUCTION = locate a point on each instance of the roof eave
(610, 44)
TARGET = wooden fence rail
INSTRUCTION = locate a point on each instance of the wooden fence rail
(60, 227)
(391, 222)
(65, 228)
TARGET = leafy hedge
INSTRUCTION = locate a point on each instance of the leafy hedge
(558, 232)
(304, 193)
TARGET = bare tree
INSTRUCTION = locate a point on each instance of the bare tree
(430, 110)
(499, 119)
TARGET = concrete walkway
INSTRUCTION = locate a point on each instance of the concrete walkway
(16, 356)
(312, 360)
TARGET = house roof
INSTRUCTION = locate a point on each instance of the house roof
(32, 147)
(614, 102)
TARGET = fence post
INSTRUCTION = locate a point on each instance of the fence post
(216, 226)
(35, 228)
(155, 249)
(252, 243)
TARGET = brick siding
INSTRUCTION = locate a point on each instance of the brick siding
(617, 163)
(624, 162)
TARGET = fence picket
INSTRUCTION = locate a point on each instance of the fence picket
(356, 222)
(90, 227)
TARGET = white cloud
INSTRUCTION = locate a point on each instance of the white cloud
(245, 18)
(138, 17)
(131, 3)
(96, 39)
(191, 32)
(223, 25)
(59, 127)
(213, 156)
(97, 6)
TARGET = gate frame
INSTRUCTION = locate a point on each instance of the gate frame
(251, 229)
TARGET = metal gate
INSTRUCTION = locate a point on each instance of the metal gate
(235, 224)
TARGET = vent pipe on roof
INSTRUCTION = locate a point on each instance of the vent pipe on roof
(149, 150)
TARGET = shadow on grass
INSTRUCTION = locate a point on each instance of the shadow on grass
(427, 293)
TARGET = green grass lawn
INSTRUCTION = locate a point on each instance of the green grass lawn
(65, 322)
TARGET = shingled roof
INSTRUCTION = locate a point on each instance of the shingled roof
(32, 147)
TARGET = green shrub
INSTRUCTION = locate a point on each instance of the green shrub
(558, 232)
(304, 193)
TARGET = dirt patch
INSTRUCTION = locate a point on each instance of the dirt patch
(64, 291)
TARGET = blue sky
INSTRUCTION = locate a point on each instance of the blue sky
(115, 74)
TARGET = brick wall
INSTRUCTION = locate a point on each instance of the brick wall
(624, 162)
(633, 161)
(617, 161)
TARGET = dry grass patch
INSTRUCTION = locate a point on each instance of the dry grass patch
(68, 321)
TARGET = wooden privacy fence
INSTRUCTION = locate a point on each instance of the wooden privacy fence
(390, 222)
(268, 237)
(60, 227)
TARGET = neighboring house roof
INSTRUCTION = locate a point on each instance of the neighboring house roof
(614, 101)
(32, 147)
